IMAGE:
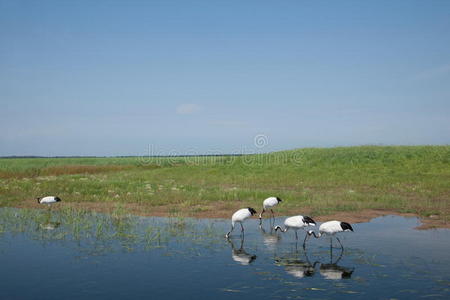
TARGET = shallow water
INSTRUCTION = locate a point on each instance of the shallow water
(64, 256)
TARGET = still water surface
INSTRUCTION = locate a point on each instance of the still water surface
(67, 256)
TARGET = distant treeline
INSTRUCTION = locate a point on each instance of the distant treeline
(120, 156)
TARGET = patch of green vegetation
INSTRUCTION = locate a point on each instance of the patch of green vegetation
(97, 233)
(311, 180)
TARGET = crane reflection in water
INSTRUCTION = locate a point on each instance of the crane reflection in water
(239, 255)
(270, 238)
(302, 267)
(50, 225)
(334, 271)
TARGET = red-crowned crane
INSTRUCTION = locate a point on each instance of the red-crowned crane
(295, 223)
(239, 217)
(49, 200)
(330, 228)
(269, 203)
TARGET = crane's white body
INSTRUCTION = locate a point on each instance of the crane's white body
(48, 200)
(239, 217)
(296, 223)
(330, 228)
(269, 203)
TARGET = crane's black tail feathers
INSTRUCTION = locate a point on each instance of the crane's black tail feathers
(308, 220)
(346, 226)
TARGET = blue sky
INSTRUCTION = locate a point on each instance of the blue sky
(120, 77)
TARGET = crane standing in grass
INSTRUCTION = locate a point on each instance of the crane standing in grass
(330, 228)
(269, 203)
(49, 200)
(239, 217)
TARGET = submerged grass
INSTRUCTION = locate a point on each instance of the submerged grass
(318, 181)
(97, 233)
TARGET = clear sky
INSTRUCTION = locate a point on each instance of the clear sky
(118, 77)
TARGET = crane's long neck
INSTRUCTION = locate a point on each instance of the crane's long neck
(281, 229)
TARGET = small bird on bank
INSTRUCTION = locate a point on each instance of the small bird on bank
(269, 203)
(49, 200)
(295, 223)
(330, 228)
(239, 217)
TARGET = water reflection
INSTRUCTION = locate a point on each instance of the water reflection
(334, 271)
(50, 225)
(295, 266)
(240, 255)
(300, 267)
(270, 237)
(92, 250)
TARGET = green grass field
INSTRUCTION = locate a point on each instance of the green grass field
(317, 181)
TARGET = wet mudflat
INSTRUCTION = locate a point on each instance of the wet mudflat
(71, 254)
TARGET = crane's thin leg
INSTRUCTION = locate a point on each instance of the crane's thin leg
(260, 216)
(339, 258)
(304, 241)
(242, 229)
(228, 234)
(273, 215)
(296, 236)
(342, 247)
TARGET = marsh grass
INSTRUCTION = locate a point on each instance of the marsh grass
(317, 181)
(96, 233)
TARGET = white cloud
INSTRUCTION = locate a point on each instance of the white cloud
(188, 108)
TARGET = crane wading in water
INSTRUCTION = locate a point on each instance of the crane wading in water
(330, 228)
(295, 223)
(269, 203)
(239, 217)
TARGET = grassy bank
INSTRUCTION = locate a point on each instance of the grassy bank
(317, 181)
